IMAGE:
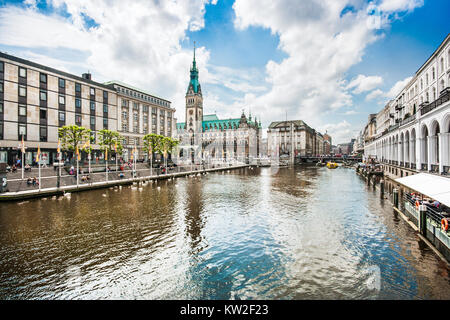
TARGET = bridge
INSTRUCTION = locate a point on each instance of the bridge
(315, 159)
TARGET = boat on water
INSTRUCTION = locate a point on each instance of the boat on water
(332, 165)
(320, 164)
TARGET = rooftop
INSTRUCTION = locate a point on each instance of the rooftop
(123, 84)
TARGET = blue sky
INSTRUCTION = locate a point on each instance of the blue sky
(329, 63)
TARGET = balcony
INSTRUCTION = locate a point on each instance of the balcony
(444, 97)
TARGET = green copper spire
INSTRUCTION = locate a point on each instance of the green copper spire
(194, 76)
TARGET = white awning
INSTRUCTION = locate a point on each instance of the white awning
(435, 187)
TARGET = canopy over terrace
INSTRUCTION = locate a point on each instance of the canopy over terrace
(432, 186)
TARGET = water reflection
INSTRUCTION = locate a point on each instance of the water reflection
(303, 233)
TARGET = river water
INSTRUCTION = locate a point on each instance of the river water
(293, 233)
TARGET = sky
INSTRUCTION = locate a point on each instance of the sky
(330, 63)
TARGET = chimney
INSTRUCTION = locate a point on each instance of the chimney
(87, 76)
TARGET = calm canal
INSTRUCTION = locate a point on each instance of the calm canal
(303, 233)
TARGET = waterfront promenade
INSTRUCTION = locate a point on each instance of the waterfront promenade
(19, 189)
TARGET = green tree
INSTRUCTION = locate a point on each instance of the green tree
(167, 145)
(73, 136)
(108, 139)
(152, 144)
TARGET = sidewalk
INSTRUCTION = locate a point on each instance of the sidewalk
(68, 183)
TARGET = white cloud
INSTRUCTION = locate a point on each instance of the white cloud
(340, 132)
(375, 94)
(322, 44)
(391, 94)
(399, 5)
(364, 83)
(137, 42)
(398, 86)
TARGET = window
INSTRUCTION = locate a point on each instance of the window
(22, 130)
(77, 87)
(105, 123)
(434, 74)
(22, 91)
(105, 94)
(1, 107)
(105, 108)
(22, 110)
(42, 114)
(92, 91)
(78, 103)
(124, 126)
(22, 72)
(78, 119)
(62, 83)
(62, 116)
(92, 120)
(124, 114)
(124, 103)
(135, 106)
(2, 67)
(43, 78)
(135, 116)
(92, 105)
(43, 133)
(1, 87)
(62, 100)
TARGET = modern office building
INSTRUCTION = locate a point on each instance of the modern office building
(36, 100)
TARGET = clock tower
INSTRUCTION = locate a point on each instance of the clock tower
(194, 103)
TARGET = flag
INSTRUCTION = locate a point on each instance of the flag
(87, 144)
(78, 154)
(106, 154)
(38, 153)
(115, 147)
(59, 146)
(23, 145)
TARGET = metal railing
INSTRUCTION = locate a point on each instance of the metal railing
(432, 212)
(436, 103)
